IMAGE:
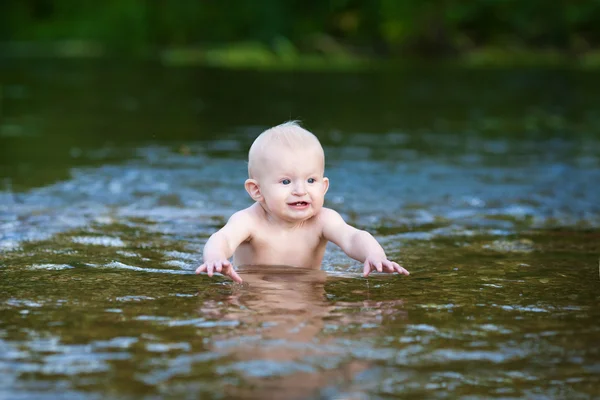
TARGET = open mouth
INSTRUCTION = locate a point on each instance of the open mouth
(299, 204)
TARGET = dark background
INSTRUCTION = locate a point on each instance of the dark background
(378, 28)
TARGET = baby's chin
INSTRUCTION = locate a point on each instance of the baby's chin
(304, 215)
(293, 215)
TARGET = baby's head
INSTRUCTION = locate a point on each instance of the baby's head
(276, 142)
(285, 166)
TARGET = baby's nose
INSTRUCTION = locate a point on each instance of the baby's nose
(299, 188)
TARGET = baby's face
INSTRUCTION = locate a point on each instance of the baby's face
(292, 183)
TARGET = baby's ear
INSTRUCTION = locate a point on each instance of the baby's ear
(325, 185)
(253, 189)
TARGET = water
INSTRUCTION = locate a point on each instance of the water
(481, 183)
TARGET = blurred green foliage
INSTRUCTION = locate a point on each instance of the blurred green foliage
(386, 28)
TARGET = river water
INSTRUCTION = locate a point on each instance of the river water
(483, 183)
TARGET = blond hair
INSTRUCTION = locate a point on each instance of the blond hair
(288, 135)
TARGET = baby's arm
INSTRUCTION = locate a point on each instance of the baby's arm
(360, 245)
(221, 245)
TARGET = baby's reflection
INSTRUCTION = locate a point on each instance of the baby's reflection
(281, 346)
(288, 302)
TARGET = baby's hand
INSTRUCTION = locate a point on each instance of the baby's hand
(222, 266)
(382, 265)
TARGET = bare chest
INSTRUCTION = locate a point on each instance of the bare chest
(300, 247)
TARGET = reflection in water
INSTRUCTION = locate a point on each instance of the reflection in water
(280, 346)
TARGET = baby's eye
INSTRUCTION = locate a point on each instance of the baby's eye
(311, 180)
(286, 181)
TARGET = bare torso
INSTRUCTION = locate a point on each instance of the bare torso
(272, 244)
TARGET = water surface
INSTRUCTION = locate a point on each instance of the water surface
(481, 183)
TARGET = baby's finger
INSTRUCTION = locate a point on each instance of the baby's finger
(210, 269)
(201, 269)
(389, 267)
(404, 271)
(367, 268)
(378, 266)
(218, 266)
(234, 275)
(401, 270)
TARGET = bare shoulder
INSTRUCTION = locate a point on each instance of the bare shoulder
(334, 228)
(241, 225)
(329, 215)
(329, 218)
(247, 215)
(246, 219)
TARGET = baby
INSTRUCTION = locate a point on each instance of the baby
(287, 224)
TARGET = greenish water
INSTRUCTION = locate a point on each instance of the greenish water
(483, 183)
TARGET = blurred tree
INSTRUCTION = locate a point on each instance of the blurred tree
(420, 27)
